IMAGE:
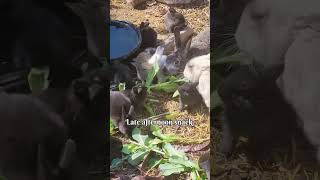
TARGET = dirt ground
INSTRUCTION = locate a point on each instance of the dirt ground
(198, 19)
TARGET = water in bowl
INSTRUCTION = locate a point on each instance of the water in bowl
(123, 40)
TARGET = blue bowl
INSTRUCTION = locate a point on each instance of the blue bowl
(125, 40)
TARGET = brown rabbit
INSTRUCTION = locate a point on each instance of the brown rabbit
(173, 19)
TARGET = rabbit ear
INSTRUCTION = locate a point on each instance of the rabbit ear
(177, 38)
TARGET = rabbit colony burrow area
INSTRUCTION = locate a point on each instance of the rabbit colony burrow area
(196, 138)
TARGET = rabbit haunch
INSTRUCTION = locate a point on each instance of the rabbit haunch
(197, 70)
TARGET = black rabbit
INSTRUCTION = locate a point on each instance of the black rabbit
(149, 35)
(256, 108)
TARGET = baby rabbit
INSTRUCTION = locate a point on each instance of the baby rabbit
(189, 95)
(124, 104)
(173, 19)
(149, 35)
(255, 108)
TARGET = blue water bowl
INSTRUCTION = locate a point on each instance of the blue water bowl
(125, 40)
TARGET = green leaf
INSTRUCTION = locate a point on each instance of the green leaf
(165, 137)
(141, 139)
(176, 94)
(122, 86)
(136, 158)
(171, 151)
(193, 175)
(116, 163)
(38, 79)
(168, 87)
(151, 74)
(149, 109)
(129, 148)
(111, 126)
(154, 162)
(183, 161)
(167, 169)
(155, 141)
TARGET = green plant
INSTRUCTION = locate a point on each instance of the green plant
(157, 152)
(170, 85)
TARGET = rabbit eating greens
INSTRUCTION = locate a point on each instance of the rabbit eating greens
(123, 105)
(256, 108)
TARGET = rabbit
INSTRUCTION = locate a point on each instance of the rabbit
(255, 107)
(200, 44)
(169, 43)
(33, 140)
(147, 59)
(174, 19)
(123, 105)
(176, 60)
(196, 66)
(122, 73)
(83, 106)
(149, 35)
(197, 70)
(189, 95)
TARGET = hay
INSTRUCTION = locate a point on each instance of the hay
(197, 17)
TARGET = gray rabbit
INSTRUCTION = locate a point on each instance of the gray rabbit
(189, 95)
